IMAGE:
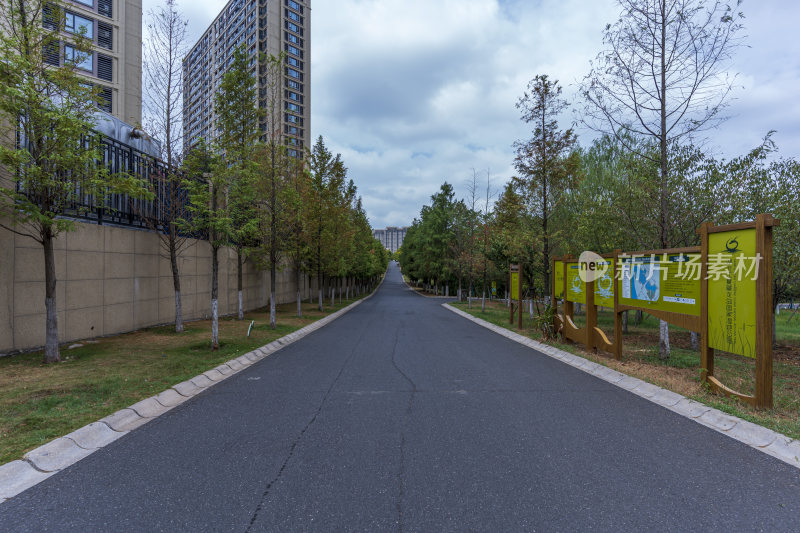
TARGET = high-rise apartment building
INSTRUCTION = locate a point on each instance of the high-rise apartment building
(263, 26)
(115, 62)
(392, 237)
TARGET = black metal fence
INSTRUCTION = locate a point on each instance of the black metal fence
(169, 197)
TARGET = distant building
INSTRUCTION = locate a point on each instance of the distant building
(391, 237)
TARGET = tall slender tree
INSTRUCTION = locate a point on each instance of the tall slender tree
(547, 170)
(164, 50)
(272, 179)
(207, 214)
(238, 119)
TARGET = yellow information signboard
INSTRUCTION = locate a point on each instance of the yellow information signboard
(666, 282)
(515, 285)
(604, 286)
(558, 279)
(576, 287)
(733, 268)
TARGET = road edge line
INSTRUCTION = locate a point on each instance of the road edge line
(60, 453)
(757, 437)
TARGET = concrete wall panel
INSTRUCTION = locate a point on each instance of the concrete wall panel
(112, 280)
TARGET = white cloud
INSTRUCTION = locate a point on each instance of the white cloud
(414, 92)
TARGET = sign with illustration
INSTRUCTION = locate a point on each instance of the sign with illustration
(604, 284)
(666, 282)
(733, 267)
(576, 287)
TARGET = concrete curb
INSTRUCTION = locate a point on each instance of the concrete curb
(48, 459)
(765, 440)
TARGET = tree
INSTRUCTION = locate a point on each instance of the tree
(663, 77)
(164, 51)
(765, 183)
(237, 122)
(295, 209)
(327, 174)
(48, 149)
(546, 167)
(207, 214)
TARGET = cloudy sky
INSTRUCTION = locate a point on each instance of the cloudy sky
(416, 92)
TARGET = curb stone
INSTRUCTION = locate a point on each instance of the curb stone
(758, 437)
(44, 461)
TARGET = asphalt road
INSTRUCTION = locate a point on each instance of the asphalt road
(402, 416)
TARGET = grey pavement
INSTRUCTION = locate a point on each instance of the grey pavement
(403, 416)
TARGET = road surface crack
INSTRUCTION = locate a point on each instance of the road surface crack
(300, 435)
(402, 471)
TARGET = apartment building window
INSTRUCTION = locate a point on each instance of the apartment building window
(104, 99)
(294, 5)
(105, 35)
(293, 107)
(293, 50)
(293, 38)
(293, 27)
(73, 24)
(294, 85)
(294, 62)
(89, 3)
(51, 53)
(293, 73)
(105, 8)
(81, 60)
(105, 67)
(294, 16)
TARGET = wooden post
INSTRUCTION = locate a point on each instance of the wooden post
(764, 312)
(519, 301)
(706, 352)
(569, 307)
(591, 317)
(617, 312)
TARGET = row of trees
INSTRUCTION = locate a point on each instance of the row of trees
(244, 190)
(644, 183)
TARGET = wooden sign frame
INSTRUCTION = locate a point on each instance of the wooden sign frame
(592, 337)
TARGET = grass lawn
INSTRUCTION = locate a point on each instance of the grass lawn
(681, 372)
(41, 402)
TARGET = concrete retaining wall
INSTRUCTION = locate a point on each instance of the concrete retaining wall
(112, 280)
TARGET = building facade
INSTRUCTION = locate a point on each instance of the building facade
(263, 26)
(391, 237)
(115, 63)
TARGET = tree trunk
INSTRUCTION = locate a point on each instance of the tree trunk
(333, 294)
(663, 340)
(273, 274)
(694, 340)
(214, 296)
(321, 288)
(240, 315)
(625, 322)
(638, 319)
(299, 296)
(176, 280)
(51, 351)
